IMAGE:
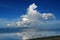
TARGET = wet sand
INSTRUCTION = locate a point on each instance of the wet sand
(47, 38)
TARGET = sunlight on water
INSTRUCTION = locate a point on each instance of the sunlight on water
(26, 35)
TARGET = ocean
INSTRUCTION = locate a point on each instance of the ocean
(25, 33)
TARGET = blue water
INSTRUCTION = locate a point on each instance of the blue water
(19, 33)
(15, 36)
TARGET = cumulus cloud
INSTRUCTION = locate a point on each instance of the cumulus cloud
(47, 16)
(37, 20)
(32, 17)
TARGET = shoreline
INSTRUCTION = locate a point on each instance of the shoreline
(47, 38)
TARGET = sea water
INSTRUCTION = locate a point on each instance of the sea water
(27, 34)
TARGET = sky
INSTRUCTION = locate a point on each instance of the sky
(36, 14)
(12, 9)
(25, 13)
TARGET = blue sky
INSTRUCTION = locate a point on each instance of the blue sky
(14, 12)
(36, 14)
(12, 9)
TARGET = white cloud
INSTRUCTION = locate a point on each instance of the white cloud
(38, 21)
(33, 18)
(46, 16)
(3, 22)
